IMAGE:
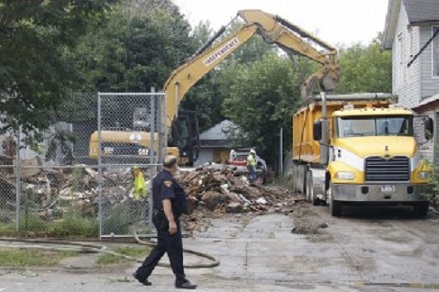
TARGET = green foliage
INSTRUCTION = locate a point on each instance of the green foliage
(365, 69)
(251, 51)
(207, 97)
(109, 259)
(262, 98)
(121, 218)
(33, 35)
(32, 258)
(32, 223)
(432, 190)
(137, 50)
(74, 224)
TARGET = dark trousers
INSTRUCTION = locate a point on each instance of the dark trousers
(173, 246)
(252, 173)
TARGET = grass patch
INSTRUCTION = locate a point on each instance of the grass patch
(108, 259)
(75, 226)
(32, 258)
(7, 229)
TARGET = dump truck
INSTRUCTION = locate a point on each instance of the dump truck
(359, 149)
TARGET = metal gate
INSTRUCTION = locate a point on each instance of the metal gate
(131, 132)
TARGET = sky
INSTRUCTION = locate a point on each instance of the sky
(335, 21)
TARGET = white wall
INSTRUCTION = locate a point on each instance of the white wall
(406, 80)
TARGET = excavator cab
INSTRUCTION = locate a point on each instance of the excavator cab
(141, 119)
(185, 136)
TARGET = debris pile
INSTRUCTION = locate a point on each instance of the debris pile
(217, 189)
(53, 192)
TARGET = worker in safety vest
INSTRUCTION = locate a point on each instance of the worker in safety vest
(251, 164)
(139, 184)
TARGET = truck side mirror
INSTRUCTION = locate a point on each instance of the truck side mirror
(428, 128)
(317, 131)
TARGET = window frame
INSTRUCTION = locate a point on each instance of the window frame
(435, 44)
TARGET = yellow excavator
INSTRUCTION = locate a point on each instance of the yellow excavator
(273, 29)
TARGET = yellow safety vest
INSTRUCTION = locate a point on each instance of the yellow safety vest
(251, 161)
(139, 187)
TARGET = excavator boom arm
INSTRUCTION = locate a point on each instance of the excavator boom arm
(273, 29)
(184, 77)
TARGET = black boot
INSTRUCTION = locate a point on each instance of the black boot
(143, 281)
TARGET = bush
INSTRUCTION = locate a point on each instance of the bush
(433, 188)
(74, 224)
(120, 218)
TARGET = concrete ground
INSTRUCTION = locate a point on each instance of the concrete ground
(308, 250)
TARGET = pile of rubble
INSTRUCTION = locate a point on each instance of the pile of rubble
(213, 190)
(217, 189)
(51, 191)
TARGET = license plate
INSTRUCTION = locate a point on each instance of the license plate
(388, 188)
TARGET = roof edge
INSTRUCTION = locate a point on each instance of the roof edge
(390, 24)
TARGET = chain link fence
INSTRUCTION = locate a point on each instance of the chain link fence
(66, 185)
(131, 133)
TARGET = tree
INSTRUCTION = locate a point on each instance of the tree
(138, 49)
(34, 73)
(365, 68)
(142, 43)
(206, 98)
(262, 98)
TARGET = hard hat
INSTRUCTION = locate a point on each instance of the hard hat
(252, 151)
(135, 167)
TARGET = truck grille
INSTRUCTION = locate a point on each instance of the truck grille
(394, 169)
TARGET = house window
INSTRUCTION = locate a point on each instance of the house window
(399, 59)
(410, 51)
(435, 52)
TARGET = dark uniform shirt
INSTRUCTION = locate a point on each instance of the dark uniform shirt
(165, 186)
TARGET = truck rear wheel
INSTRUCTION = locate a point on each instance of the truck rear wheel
(310, 195)
(294, 174)
(308, 188)
(302, 178)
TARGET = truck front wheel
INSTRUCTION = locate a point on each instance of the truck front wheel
(420, 209)
(334, 206)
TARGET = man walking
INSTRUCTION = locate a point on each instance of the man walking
(169, 202)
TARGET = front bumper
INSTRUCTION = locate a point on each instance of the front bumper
(374, 193)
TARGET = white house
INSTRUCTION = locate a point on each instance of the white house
(412, 33)
(216, 143)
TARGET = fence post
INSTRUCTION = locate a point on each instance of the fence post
(18, 183)
(99, 167)
(281, 160)
(152, 155)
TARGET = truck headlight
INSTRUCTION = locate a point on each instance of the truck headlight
(424, 175)
(345, 175)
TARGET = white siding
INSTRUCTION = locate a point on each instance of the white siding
(406, 81)
(429, 84)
